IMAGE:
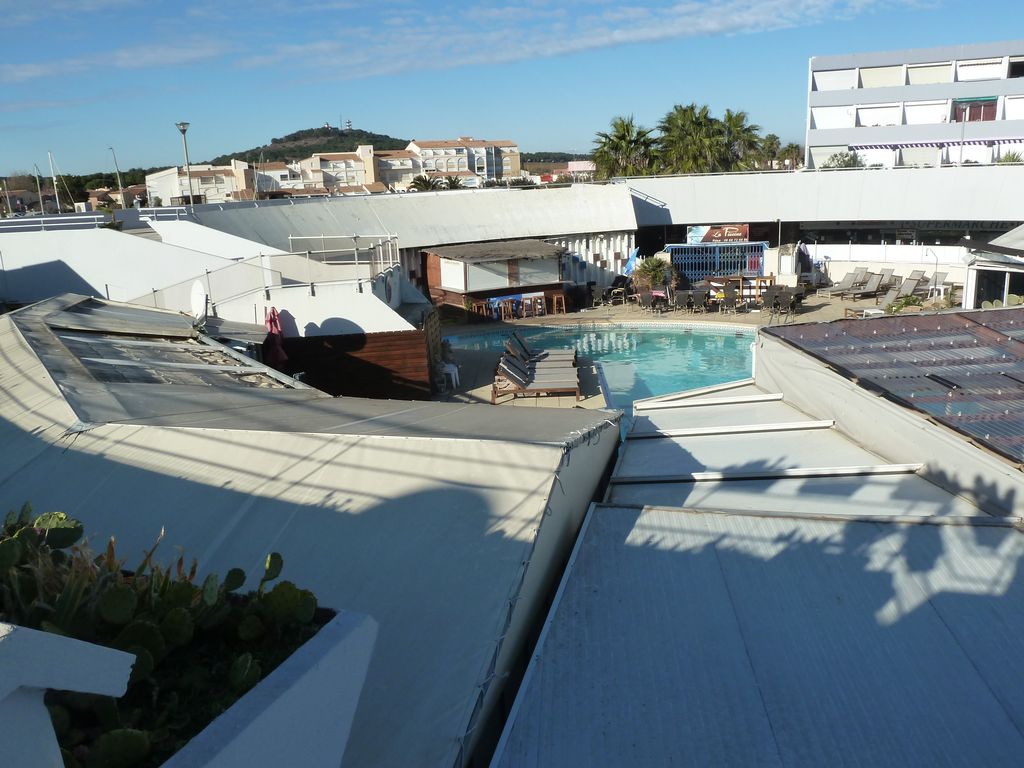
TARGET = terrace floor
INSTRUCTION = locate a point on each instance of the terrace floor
(476, 369)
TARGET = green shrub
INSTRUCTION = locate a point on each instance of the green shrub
(652, 271)
(900, 304)
(198, 647)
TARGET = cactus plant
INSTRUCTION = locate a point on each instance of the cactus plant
(121, 748)
(117, 604)
(198, 646)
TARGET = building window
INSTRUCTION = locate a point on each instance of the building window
(1016, 67)
(979, 69)
(928, 74)
(974, 111)
(206, 179)
(880, 77)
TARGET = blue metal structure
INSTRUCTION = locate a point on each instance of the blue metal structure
(716, 259)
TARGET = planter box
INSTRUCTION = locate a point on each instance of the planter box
(301, 713)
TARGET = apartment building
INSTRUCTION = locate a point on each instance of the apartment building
(210, 183)
(488, 160)
(395, 168)
(333, 170)
(929, 106)
(340, 173)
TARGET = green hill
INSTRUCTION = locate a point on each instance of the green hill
(300, 144)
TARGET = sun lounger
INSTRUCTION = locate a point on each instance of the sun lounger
(906, 289)
(529, 353)
(509, 380)
(930, 286)
(852, 279)
(870, 288)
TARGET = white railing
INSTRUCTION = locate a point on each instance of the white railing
(380, 254)
(64, 221)
(888, 253)
(171, 213)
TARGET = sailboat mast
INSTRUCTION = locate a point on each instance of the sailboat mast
(39, 189)
(56, 192)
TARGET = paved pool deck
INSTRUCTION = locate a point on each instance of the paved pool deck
(476, 369)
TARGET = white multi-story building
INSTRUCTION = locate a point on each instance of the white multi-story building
(488, 160)
(929, 106)
(276, 176)
(396, 168)
(336, 170)
(210, 183)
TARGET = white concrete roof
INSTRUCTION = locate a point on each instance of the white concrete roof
(1012, 239)
(970, 193)
(188, 234)
(95, 262)
(433, 218)
(441, 521)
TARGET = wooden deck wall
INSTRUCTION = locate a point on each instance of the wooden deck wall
(378, 365)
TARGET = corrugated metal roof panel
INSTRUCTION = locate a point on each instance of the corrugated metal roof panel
(856, 495)
(732, 454)
(724, 416)
(686, 639)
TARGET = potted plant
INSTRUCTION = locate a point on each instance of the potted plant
(199, 646)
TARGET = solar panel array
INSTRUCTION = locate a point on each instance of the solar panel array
(963, 369)
(138, 360)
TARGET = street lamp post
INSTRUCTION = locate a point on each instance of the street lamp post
(183, 126)
(120, 186)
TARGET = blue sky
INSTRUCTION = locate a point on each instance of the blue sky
(80, 76)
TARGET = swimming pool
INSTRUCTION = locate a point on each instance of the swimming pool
(639, 360)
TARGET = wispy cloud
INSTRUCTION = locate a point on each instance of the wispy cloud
(352, 39)
(486, 34)
(134, 57)
(16, 13)
(35, 105)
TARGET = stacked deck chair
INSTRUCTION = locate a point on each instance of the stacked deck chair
(515, 352)
(531, 355)
(512, 377)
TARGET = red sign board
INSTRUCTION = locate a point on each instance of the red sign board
(720, 233)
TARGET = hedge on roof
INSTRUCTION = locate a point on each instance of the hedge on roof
(198, 645)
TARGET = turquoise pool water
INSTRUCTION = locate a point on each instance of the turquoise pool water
(640, 361)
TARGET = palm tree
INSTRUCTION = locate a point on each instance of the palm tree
(770, 146)
(626, 150)
(792, 152)
(424, 183)
(692, 141)
(742, 140)
(453, 182)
